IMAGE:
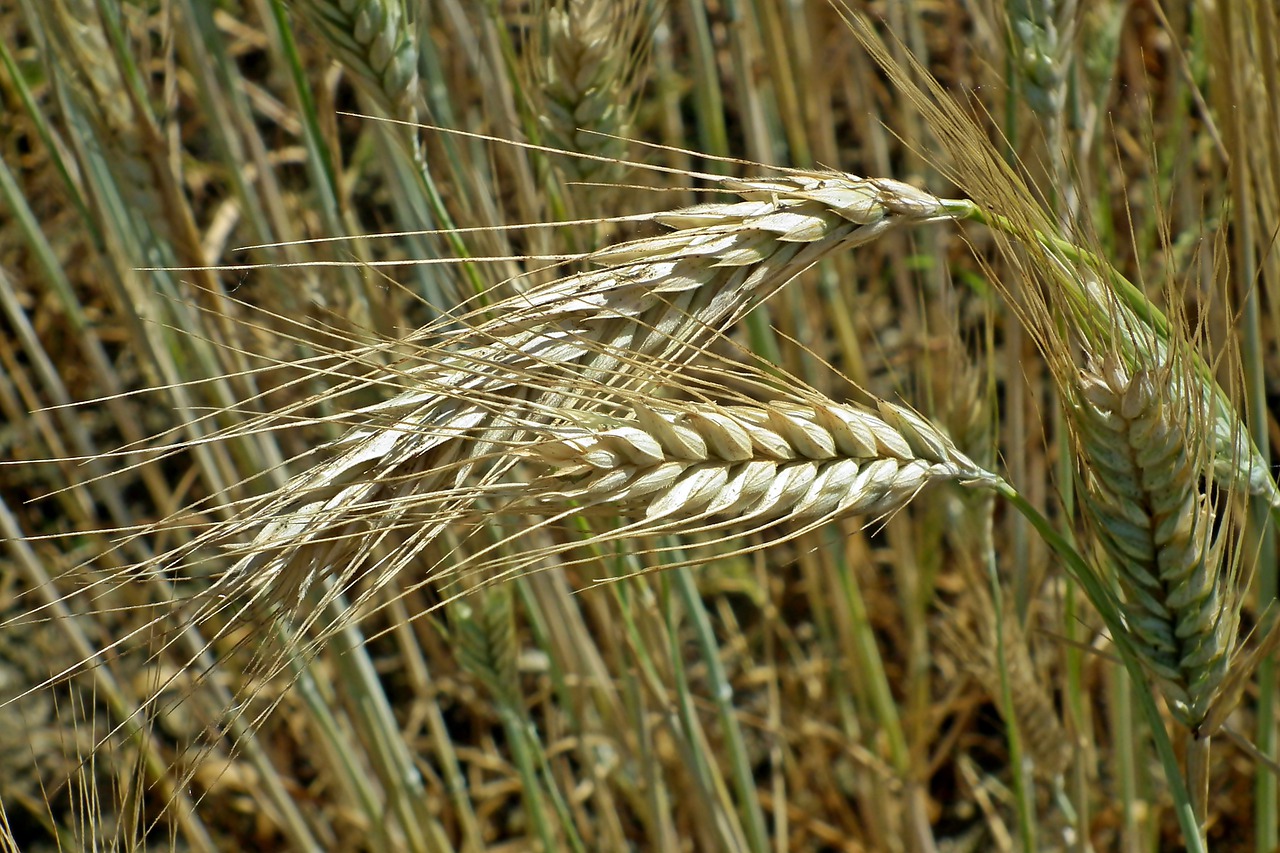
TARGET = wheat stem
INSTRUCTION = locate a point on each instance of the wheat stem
(1103, 601)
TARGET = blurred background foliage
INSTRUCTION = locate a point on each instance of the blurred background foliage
(833, 693)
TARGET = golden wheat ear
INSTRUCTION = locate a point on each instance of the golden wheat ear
(753, 464)
(655, 299)
(993, 647)
(714, 475)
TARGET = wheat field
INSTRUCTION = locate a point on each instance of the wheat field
(579, 425)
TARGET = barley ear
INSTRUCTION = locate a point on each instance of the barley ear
(484, 630)
(971, 631)
(655, 300)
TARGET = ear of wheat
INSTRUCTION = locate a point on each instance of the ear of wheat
(1148, 489)
(977, 634)
(1137, 347)
(375, 39)
(1068, 283)
(654, 300)
(582, 74)
(710, 474)
(750, 463)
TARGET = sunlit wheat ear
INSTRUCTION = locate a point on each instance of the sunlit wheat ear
(677, 467)
(657, 298)
(711, 480)
(1148, 491)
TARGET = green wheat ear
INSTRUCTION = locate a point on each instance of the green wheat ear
(374, 39)
(1148, 487)
(585, 63)
(484, 629)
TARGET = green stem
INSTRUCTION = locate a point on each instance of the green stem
(1102, 601)
(1198, 775)
(722, 696)
(1021, 784)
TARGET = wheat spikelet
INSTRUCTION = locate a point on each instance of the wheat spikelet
(1235, 460)
(485, 638)
(698, 476)
(1147, 491)
(655, 300)
(1034, 25)
(582, 74)
(970, 632)
(374, 40)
